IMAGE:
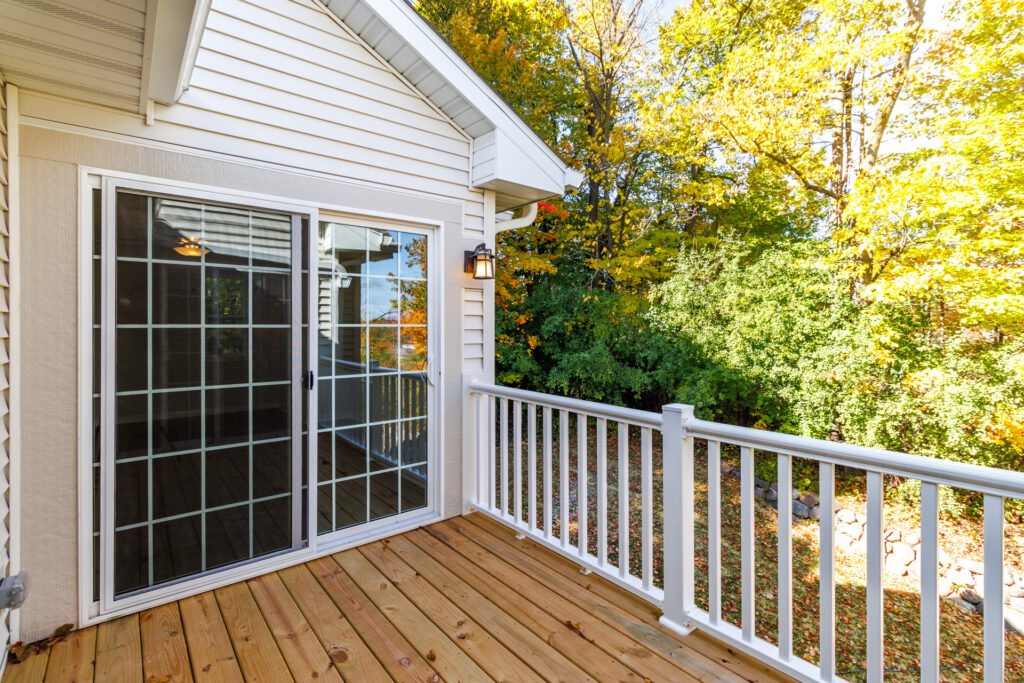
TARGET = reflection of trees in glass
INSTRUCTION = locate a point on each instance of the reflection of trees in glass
(414, 251)
(226, 298)
(383, 343)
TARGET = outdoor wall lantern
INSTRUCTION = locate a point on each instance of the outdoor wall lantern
(480, 262)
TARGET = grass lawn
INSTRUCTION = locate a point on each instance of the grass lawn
(961, 630)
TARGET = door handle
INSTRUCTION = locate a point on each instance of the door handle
(430, 370)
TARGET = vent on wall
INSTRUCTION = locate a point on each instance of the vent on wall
(472, 330)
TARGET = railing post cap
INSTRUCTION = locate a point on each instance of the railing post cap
(685, 410)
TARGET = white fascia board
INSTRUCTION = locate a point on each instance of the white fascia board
(520, 159)
(173, 31)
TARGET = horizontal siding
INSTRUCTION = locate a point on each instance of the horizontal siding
(283, 80)
(473, 330)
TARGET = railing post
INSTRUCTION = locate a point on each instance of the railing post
(678, 525)
(470, 451)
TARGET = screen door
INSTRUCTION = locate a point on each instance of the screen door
(374, 391)
(202, 387)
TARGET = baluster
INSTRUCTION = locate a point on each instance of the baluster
(481, 449)
(602, 491)
(623, 500)
(747, 541)
(827, 584)
(876, 577)
(531, 485)
(646, 509)
(784, 504)
(517, 450)
(714, 532)
(928, 556)
(993, 583)
(504, 456)
(547, 472)
(581, 481)
(563, 476)
(491, 483)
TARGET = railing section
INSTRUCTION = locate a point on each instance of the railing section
(582, 493)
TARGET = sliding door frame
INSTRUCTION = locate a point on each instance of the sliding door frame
(89, 178)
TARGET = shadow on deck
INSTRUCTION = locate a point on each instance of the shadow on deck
(458, 600)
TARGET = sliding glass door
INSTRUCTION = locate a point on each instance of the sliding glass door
(202, 389)
(374, 389)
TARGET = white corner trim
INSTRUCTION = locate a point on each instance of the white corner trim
(12, 95)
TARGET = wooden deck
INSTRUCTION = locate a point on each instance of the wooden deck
(459, 600)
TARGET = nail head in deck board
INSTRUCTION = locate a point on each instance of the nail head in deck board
(449, 660)
(164, 653)
(392, 650)
(543, 560)
(119, 650)
(258, 655)
(301, 648)
(209, 645)
(351, 657)
(490, 654)
(617, 644)
(72, 660)
(30, 670)
(556, 634)
(528, 645)
(654, 640)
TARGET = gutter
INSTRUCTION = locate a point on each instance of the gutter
(515, 223)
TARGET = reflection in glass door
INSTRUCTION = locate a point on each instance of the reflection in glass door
(373, 387)
(203, 350)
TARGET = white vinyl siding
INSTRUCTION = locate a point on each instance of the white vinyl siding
(299, 88)
(5, 492)
(473, 330)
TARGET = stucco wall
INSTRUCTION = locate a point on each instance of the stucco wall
(49, 373)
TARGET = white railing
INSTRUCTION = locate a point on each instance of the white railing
(493, 485)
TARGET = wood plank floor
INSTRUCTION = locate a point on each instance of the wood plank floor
(460, 600)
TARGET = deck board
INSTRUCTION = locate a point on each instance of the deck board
(458, 600)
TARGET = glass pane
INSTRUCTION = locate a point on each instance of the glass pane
(227, 296)
(131, 480)
(412, 350)
(381, 301)
(227, 356)
(383, 349)
(350, 351)
(177, 548)
(271, 469)
(132, 219)
(350, 502)
(227, 416)
(131, 559)
(227, 536)
(325, 403)
(414, 302)
(177, 294)
(177, 421)
(226, 234)
(414, 255)
(178, 231)
(383, 252)
(384, 446)
(227, 476)
(132, 353)
(177, 485)
(349, 401)
(272, 354)
(271, 412)
(414, 442)
(349, 453)
(271, 240)
(414, 490)
(271, 298)
(271, 525)
(325, 508)
(348, 299)
(383, 398)
(383, 494)
(131, 293)
(414, 395)
(177, 358)
(344, 245)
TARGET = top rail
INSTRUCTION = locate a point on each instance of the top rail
(990, 480)
(640, 418)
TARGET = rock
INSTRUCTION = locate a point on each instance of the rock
(759, 493)
(1008, 578)
(1014, 591)
(796, 494)
(771, 495)
(836, 507)
(944, 559)
(774, 486)
(960, 577)
(912, 538)
(964, 605)
(892, 535)
(971, 566)
(809, 499)
(1017, 604)
(815, 512)
(800, 510)
(970, 596)
(903, 552)
(846, 516)
(760, 483)
(888, 547)
(894, 566)
(854, 531)
(861, 517)
(1014, 620)
(914, 569)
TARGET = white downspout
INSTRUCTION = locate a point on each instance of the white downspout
(515, 223)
